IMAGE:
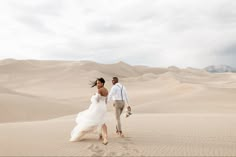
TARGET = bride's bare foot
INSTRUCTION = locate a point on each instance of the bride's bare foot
(105, 141)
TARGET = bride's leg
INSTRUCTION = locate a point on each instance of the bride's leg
(104, 134)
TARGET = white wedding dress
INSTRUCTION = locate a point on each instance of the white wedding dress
(92, 119)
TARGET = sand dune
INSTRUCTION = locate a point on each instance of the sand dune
(155, 135)
(180, 112)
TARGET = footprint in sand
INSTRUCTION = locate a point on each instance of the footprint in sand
(128, 145)
(96, 150)
(112, 154)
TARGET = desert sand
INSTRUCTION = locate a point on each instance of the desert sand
(176, 112)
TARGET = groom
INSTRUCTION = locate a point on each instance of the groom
(119, 96)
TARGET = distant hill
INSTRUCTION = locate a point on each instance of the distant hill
(220, 69)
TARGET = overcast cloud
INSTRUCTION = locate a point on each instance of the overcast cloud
(183, 33)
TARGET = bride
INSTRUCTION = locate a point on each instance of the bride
(93, 118)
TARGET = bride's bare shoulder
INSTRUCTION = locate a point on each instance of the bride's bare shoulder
(103, 91)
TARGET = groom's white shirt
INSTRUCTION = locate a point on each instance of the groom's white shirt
(115, 93)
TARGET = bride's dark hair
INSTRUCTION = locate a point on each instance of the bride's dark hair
(94, 83)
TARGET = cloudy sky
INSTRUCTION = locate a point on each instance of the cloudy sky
(183, 33)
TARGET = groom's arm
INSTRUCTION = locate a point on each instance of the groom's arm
(125, 96)
(110, 94)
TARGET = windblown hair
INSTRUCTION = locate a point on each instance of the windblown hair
(94, 83)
